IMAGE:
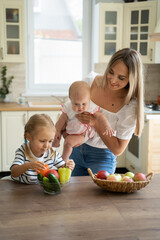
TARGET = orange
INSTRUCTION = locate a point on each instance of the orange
(43, 171)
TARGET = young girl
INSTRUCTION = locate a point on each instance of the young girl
(77, 132)
(37, 151)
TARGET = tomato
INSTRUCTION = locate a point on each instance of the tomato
(43, 171)
(53, 171)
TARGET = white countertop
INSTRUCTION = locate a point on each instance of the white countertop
(151, 114)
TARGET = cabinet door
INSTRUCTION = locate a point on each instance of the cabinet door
(54, 116)
(12, 31)
(139, 23)
(12, 125)
(154, 146)
(110, 25)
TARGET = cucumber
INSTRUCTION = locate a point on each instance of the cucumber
(40, 177)
(53, 179)
(47, 184)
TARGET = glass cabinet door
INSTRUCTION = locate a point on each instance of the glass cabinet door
(110, 30)
(111, 18)
(139, 23)
(12, 30)
(139, 31)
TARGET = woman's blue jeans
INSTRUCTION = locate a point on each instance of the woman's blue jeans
(94, 158)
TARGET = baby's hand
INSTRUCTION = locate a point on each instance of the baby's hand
(70, 164)
(56, 141)
(109, 132)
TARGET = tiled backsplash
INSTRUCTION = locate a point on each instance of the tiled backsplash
(151, 81)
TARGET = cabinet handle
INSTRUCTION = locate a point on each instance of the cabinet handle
(2, 53)
(132, 166)
(24, 119)
(151, 54)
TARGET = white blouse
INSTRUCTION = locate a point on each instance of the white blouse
(122, 122)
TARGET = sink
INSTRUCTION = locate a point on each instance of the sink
(44, 104)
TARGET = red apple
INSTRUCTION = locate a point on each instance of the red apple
(102, 174)
(114, 177)
(53, 171)
(139, 177)
(127, 179)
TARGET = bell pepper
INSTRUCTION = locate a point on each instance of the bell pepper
(64, 174)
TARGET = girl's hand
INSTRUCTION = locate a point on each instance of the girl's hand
(70, 164)
(37, 165)
(86, 118)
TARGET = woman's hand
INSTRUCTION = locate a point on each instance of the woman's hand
(70, 164)
(86, 118)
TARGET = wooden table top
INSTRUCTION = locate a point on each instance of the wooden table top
(81, 211)
(13, 106)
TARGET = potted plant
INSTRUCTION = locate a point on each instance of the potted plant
(6, 82)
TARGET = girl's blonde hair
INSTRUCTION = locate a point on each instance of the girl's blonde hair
(36, 121)
(132, 59)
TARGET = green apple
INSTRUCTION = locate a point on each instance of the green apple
(114, 177)
(129, 174)
(64, 174)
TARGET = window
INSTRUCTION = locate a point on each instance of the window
(55, 44)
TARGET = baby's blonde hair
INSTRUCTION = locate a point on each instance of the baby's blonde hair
(36, 121)
(79, 88)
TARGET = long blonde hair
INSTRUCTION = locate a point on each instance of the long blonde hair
(132, 59)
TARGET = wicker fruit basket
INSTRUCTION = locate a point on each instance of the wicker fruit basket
(126, 187)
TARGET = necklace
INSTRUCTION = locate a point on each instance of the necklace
(112, 104)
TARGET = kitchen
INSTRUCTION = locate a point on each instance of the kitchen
(18, 70)
(82, 210)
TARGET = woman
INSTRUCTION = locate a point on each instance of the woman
(119, 93)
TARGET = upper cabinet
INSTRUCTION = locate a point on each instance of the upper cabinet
(140, 19)
(119, 25)
(12, 31)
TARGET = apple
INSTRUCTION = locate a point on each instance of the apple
(126, 179)
(129, 174)
(53, 171)
(139, 177)
(114, 177)
(102, 174)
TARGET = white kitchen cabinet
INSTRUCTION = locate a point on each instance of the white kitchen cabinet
(139, 22)
(12, 136)
(107, 30)
(12, 133)
(120, 25)
(12, 31)
(144, 153)
(107, 24)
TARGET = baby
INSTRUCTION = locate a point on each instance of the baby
(77, 132)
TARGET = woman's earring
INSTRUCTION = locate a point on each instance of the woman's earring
(25, 140)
